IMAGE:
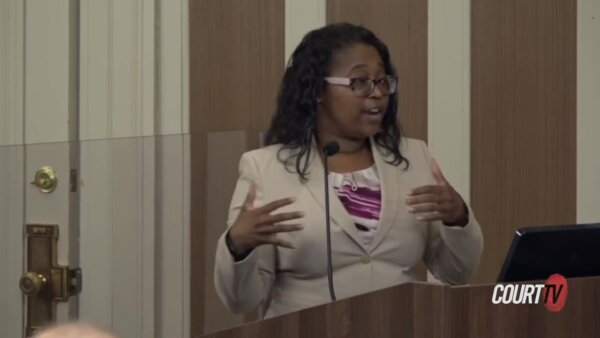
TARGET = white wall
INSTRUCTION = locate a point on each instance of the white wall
(118, 229)
(11, 234)
(117, 109)
(173, 63)
(588, 111)
(134, 178)
(50, 66)
(302, 16)
(117, 90)
(449, 116)
(448, 95)
(134, 81)
(134, 158)
(11, 164)
(11, 72)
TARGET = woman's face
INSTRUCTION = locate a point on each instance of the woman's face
(343, 114)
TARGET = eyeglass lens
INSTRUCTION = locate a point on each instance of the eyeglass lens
(366, 86)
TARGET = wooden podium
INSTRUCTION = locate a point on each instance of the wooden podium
(427, 310)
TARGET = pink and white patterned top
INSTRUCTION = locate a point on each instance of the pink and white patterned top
(360, 193)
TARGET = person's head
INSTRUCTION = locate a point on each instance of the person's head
(316, 97)
(74, 330)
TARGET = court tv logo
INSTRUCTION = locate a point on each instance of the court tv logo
(553, 293)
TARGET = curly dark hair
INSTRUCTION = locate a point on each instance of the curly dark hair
(294, 122)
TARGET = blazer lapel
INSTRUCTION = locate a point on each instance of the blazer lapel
(389, 177)
(338, 213)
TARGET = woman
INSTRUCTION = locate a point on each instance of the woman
(390, 204)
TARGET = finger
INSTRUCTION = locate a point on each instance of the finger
(446, 208)
(280, 228)
(422, 208)
(424, 198)
(250, 197)
(430, 217)
(437, 173)
(425, 189)
(269, 207)
(282, 217)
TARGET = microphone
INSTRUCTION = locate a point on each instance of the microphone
(330, 149)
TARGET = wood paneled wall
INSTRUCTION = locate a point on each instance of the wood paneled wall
(237, 49)
(523, 119)
(236, 64)
(402, 26)
(523, 110)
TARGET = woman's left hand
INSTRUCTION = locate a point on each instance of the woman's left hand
(439, 202)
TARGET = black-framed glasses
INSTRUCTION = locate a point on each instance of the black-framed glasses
(364, 86)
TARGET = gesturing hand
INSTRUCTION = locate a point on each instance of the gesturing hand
(256, 226)
(438, 202)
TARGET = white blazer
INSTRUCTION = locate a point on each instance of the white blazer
(297, 278)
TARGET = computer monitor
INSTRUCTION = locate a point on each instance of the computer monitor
(538, 252)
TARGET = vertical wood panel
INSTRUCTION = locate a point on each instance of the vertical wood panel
(523, 119)
(236, 50)
(402, 26)
(224, 150)
(236, 65)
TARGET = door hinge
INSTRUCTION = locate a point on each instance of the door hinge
(73, 180)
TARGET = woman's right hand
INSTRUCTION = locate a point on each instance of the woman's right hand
(257, 226)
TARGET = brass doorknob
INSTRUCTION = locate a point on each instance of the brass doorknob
(45, 179)
(31, 283)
